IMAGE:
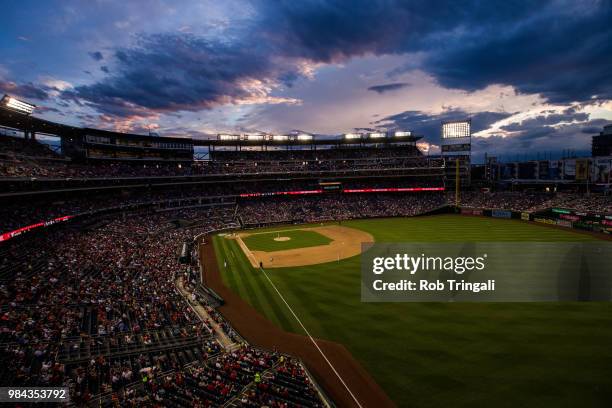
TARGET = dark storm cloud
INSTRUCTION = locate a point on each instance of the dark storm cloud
(328, 30)
(591, 130)
(388, 87)
(97, 55)
(170, 72)
(565, 57)
(27, 90)
(561, 49)
(173, 72)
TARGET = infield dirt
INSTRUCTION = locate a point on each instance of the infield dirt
(346, 242)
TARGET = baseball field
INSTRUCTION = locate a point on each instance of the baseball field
(429, 354)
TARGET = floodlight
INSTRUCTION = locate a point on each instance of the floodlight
(304, 136)
(377, 135)
(352, 136)
(16, 105)
(403, 134)
(456, 129)
(280, 137)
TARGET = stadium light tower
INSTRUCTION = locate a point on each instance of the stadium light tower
(16, 105)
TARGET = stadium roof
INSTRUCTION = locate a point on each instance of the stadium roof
(21, 121)
(314, 141)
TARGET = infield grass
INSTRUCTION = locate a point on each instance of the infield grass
(445, 354)
(265, 241)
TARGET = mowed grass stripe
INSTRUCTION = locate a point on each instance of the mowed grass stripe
(230, 274)
(227, 273)
(254, 283)
(244, 273)
(242, 269)
(267, 296)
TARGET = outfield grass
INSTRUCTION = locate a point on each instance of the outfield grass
(297, 239)
(445, 354)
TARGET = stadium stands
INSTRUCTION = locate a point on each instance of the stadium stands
(94, 307)
(46, 169)
(19, 148)
(517, 201)
(18, 161)
(315, 209)
(525, 201)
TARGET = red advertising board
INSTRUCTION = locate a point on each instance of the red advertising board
(12, 234)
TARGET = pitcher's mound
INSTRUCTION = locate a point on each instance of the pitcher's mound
(282, 239)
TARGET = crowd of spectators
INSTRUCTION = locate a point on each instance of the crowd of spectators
(337, 207)
(247, 376)
(317, 165)
(17, 213)
(20, 148)
(592, 203)
(312, 208)
(94, 307)
(516, 201)
(61, 170)
(65, 169)
(20, 213)
(80, 288)
(535, 201)
(287, 385)
(366, 205)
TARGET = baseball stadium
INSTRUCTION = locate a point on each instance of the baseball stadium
(240, 276)
(311, 204)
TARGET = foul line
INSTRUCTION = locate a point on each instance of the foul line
(312, 339)
(247, 252)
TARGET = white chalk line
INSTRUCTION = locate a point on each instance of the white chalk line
(247, 252)
(312, 339)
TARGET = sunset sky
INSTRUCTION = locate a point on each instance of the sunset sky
(534, 76)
